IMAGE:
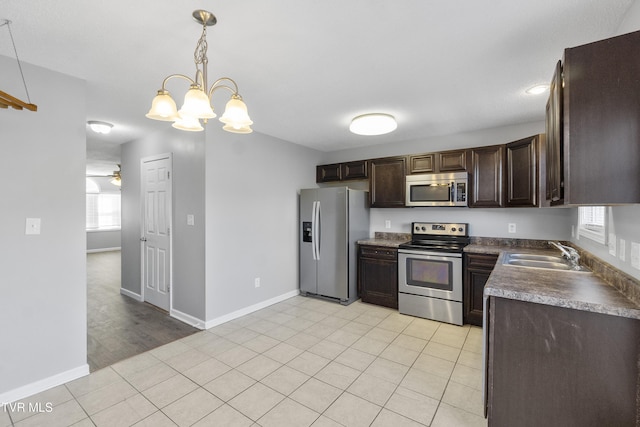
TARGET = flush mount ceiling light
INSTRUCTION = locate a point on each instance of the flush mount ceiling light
(538, 89)
(197, 101)
(373, 124)
(100, 127)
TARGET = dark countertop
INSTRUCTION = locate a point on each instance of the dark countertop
(569, 289)
(390, 240)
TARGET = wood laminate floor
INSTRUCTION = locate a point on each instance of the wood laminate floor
(118, 327)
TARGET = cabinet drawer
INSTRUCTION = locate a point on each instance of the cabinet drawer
(481, 261)
(378, 252)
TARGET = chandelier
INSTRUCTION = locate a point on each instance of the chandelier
(197, 100)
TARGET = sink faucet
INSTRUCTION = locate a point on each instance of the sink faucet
(569, 253)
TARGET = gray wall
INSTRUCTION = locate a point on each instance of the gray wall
(98, 241)
(42, 277)
(252, 215)
(188, 151)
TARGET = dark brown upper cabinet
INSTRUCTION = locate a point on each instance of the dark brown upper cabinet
(522, 172)
(599, 132)
(387, 182)
(446, 161)
(452, 161)
(342, 171)
(486, 179)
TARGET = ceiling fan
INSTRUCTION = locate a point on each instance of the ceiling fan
(116, 179)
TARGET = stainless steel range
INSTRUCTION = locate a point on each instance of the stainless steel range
(430, 271)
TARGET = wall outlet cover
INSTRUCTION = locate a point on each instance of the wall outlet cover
(32, 226)
(512, 227)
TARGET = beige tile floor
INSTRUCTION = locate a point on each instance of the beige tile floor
(301, 362)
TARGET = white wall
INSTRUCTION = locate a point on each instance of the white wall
(252, 186)
(42, 277)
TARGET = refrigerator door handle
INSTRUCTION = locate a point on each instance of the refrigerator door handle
(316, 230)
(313, 230)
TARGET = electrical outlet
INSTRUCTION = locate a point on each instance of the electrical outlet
(512, 227)
(621, 249)
(256, 282)
(190, 219)
(387, 224)
(32, 226)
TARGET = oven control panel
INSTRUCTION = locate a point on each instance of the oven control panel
(439, 229)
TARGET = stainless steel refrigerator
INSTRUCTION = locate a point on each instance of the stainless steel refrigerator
(332, 220)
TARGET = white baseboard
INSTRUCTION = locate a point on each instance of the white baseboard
(187, 318)
(248, 310)
(92, 251)
(130, 294)
(44, 384)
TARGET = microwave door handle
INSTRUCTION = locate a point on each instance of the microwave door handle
(453, 192)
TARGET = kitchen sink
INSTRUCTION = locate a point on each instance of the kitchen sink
(547, 262)
(534, 257)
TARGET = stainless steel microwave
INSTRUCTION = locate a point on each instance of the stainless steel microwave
(437, 189)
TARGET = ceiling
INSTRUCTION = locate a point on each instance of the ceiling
(306, 68)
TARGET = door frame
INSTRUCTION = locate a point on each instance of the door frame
(144, 160)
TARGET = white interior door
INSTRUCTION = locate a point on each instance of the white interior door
(156, 230)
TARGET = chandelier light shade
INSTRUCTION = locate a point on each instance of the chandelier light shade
(373, 124)
(197, 101)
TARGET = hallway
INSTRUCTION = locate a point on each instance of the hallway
(119, 327)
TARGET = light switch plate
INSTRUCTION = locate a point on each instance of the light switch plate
(190, 219)
(32, 226)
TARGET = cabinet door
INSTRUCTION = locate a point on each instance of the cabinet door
(378, 275)
(554, 153)
(522, 173)
(422, 163)
(555, 366)
(477, 269)
(486, 177)
(387, 182)
(354, 170)
(601, 133)
(328, 173)
(452, 161)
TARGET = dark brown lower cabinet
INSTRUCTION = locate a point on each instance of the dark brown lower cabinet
(477, 269)
(554, 366)
(378, 275)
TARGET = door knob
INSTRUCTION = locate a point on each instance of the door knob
(143, 239)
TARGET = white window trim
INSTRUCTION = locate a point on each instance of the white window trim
(599, 236)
